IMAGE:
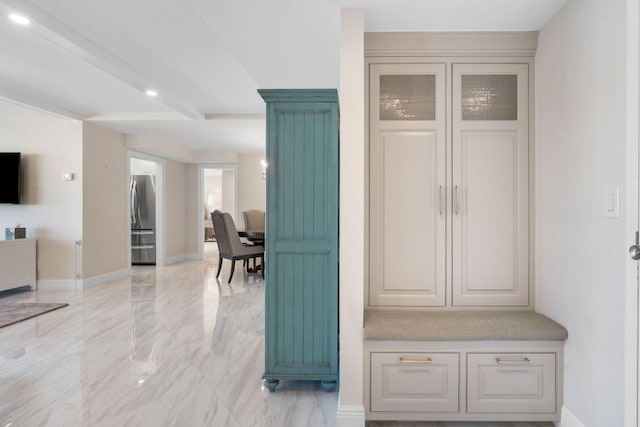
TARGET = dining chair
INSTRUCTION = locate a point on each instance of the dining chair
(229, 245)
(253, 220)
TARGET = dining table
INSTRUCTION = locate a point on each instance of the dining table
(256, 238)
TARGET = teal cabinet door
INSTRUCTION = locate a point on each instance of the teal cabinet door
(301, 316)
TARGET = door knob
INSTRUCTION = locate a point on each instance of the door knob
(634, 250)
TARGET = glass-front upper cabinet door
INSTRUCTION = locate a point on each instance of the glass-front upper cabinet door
(490, 177)
(489, 96)
(407, 185)
(407, 93)
(407, 97)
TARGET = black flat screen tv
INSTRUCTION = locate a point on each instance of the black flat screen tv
(10, 178)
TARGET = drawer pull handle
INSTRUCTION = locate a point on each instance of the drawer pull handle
(426, 361)
(501, 361)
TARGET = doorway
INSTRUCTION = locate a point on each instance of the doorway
(218, 186)
(145, 209)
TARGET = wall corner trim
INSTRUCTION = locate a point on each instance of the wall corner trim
(568, 419)
(350, 416)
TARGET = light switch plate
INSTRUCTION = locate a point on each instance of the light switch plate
(611, 202)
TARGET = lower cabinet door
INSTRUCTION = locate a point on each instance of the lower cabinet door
(511, 383)
(414, 382)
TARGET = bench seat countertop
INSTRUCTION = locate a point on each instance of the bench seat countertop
(399, 325)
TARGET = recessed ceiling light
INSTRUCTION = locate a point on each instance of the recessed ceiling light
(152, 93)
(19, 19)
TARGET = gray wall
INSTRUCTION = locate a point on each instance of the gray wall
(579, 150)
(105, 205)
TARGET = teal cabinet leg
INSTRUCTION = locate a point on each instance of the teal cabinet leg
(271, 384)
(328, 386)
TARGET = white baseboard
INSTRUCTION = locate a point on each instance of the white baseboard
(175, 259)
(104, 278)
(567, 419)
(350, 416)
(182, 258)
(57, 285)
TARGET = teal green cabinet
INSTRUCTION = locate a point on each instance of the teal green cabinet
(301, 275)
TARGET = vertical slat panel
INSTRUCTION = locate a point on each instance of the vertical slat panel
(307, 208)
(287, 187)
(298, 224)
(330, 300)
(318, 225)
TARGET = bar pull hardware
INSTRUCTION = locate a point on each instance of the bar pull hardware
(426, 361)
(442, 200)
(523, 361)
(456, 200)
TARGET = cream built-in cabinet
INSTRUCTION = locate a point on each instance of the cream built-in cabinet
(464, 381)
(448, 184)
(408, 184)
(449, 123)
(414, 382)
(490, 184)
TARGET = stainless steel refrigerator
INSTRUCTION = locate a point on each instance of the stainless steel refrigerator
(143, 219)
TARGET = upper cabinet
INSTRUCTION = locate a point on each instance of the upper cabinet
(490, 184)
(449, 180)
(407, 181)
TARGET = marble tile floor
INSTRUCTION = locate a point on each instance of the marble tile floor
(169, 346)
(457, 424)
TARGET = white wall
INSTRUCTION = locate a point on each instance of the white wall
(251, 187)
(228, 188)
(51, 208)
(212, 187)
(579, 150)
(352, 219)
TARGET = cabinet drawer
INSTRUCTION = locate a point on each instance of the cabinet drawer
(414, 382)
(511, 382)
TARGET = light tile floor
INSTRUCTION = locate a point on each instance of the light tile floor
(170, 346)
(457, 424)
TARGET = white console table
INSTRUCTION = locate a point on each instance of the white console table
(17, 263)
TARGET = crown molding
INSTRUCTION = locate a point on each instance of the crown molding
(486, 43)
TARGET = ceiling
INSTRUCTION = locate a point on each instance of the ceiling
(93, 60)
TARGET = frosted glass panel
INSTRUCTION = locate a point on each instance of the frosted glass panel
(489, 97)
(408, 97)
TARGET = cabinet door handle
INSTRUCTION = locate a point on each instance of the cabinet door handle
(522, 361)
(456, 200)
(426, 361)
(442, 200)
